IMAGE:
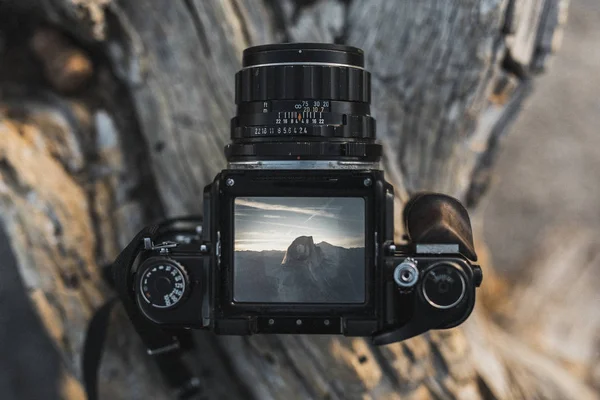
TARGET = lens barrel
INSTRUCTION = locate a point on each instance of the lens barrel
(303, 101)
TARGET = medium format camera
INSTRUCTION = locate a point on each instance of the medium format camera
(297, 234)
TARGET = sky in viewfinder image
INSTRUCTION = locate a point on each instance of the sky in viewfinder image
(272, 223)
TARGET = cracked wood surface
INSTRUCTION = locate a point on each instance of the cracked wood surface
(80, 173)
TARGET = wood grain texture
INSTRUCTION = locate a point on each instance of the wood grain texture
(146, 137)
(62, 225)
(560, 289)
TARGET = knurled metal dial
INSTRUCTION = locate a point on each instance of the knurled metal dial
(344, 83)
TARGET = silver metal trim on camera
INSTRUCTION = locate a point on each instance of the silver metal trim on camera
(406, 273)
(305, 164)
(325, 64)
(163, 350)
(163, 247)
(437, 248)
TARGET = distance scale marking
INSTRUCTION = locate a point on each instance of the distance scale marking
(293, 117)
(305, 113)
(167, 282)
(300, 106)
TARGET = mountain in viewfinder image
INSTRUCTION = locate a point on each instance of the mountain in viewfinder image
(305, 273)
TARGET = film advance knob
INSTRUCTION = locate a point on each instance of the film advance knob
(443, 286)
(164, 283)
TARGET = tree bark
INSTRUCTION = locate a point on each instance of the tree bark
(115, 113)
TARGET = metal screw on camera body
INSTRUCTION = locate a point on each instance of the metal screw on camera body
(229, 182)
(367, 182)
(406, 273)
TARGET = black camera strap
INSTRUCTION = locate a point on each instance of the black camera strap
(165, 346)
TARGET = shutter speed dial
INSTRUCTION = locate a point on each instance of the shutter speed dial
(164, 282)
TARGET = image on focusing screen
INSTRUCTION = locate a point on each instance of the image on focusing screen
(299, 250)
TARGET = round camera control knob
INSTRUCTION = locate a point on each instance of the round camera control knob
(164, 282)
(406, 274)
(443, 285)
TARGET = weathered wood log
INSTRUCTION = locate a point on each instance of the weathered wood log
(560, 288)
(79, 174)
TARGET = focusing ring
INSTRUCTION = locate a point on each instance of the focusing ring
(284, 82)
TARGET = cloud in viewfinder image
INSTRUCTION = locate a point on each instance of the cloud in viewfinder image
(272, 223)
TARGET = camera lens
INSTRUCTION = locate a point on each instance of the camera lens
(303, 101)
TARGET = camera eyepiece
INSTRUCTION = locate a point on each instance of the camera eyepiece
(302, 101)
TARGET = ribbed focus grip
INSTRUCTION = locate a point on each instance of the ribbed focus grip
(321, 82)
(306, 150)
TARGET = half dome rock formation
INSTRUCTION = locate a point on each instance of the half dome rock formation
(305, 273)
(302, 253)
(321, 272)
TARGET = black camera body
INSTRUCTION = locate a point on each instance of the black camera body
(391, 292)
(297, 234)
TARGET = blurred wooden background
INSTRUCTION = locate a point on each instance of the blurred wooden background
(114, 113)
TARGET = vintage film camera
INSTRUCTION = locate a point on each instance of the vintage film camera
(297, 233)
